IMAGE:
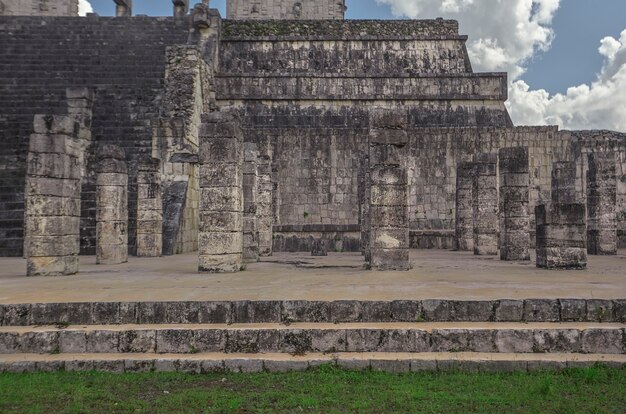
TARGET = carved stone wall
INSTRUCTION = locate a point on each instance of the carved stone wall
(38, 7)
(285, 9)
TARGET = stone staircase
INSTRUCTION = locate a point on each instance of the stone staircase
(121, 60)
(250, 336)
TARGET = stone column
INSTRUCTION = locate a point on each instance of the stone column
(180, 7)
(364, 202)
(464, 218)
(485, 205)
(149, 209)
(602, 204)
(561, 224)
(514, 197)
(221, 194)
(123, 8)
(250, 189)
(111, 206)
(563, 185)
(52, 195)
(389, 221)
(265, 216)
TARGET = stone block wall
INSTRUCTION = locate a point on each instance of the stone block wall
(285, 9)
(38, 7)
(121, 60)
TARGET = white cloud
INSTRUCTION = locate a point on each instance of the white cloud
(84, 7)
(504, 35)
(601, 105)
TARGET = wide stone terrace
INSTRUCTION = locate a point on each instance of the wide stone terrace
(298, 276)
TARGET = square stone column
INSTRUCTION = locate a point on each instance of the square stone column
(221, 194)
(388, 211)
(563, 184)
(464, 217)
(180, 7)
(514, 199)
(111, 206)
(561, 224)
(602, 204)
(149, 209)
(561, 236)
(485, 205)
(250, 190)
(264, 212)
(123, 8)
(52, 196)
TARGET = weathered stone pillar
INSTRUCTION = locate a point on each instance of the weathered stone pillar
(123, 8)
(485, 205)
(149, 209)
(563, 185)
(111, 206)
(389, 221)
(221, 194)
(180, 7)
(464, 219)
(561, 241)
(365, 189)
(265, 216)
(602, 204)
(53, 187)
(514, 197)
(250, 190)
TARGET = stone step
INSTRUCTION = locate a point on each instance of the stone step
(491, 337)
(287, 311)
(204, 363)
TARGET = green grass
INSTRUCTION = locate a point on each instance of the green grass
(324, 390)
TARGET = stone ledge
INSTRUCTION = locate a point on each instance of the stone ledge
(291, 311)
(391, 362)
(484, 86)
(339, 28)
(298, 339)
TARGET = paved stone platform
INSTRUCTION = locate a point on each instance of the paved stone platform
(436, 274)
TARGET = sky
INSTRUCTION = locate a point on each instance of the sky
(566, 59)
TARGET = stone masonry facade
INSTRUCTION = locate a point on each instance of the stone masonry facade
(287, 128)
(38, 7)
(285, 9)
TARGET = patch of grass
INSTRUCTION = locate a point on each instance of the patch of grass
(326, 389)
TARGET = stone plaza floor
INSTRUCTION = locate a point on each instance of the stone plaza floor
(436, 274)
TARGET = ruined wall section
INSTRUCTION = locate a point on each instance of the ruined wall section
(38, 7)
(187, 94)
(286, 9)
(309, 89)
(588, 142)
(121, 60)
(282, 72)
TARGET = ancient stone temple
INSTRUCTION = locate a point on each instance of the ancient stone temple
(157, 162)
(308, 96)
